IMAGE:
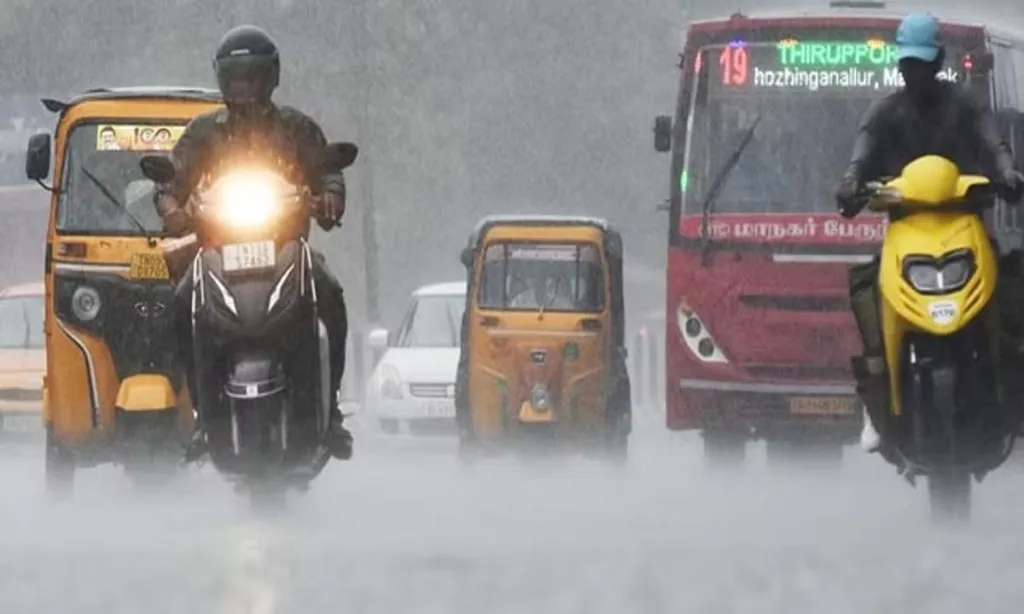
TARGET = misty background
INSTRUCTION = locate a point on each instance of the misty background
(461, 109)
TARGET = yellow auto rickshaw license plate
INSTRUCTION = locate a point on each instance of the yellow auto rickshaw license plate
(149, 266)
(830, 406)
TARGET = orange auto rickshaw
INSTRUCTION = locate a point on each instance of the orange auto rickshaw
(114, 390)
(543, 361)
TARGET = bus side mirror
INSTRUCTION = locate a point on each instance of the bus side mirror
(37, 157)
(662, 133)
(466, 257)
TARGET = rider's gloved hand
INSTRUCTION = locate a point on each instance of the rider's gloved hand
(334, 206)
(331, 207)
(1013, 183)
(846, 196)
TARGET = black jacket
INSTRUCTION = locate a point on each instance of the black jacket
(895, 131)
(295, 143)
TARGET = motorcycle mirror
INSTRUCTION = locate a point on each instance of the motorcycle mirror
(341, 155)
(157, 168)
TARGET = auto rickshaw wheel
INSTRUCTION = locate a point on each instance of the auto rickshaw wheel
(60, 467)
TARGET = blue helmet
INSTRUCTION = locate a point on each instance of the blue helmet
(918, 38)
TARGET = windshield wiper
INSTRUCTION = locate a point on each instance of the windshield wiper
(106, 192)
(716, 186)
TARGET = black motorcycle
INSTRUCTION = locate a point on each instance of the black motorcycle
(261, 350)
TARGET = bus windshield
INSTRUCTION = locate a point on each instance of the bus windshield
(103, 189)
(810, 99)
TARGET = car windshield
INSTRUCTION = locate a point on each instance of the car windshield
(811, 99)
(533, 277)
(433, 321)
(103, 189)
(21, 322)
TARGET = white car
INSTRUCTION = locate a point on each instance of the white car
(412, 389)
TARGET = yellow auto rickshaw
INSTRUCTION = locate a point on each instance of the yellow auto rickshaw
(114, 390)
(543, 360)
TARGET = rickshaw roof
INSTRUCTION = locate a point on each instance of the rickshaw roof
(540, 220)
(30, 289)
(454, 288)
(166, 92)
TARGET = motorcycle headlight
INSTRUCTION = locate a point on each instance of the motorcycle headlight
(86, 303)
(247, 199)
(940, 277)
(539, 397)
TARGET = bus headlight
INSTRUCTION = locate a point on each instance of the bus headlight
(696, 336)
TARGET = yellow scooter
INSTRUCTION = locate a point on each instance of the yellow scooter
(947, 418)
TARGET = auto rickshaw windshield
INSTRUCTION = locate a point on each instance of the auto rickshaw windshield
(552, 277)
(102, 186)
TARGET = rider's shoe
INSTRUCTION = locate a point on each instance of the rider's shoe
(870, 440)
(338, 439)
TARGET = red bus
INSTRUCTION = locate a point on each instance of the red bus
(759, 334)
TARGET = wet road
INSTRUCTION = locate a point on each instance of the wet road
(402, 529)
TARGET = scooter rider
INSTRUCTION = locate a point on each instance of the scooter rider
(926, 116)
(248, 68)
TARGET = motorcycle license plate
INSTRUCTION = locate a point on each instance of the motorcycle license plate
(248, 256)
(148, 266)
(818, 406)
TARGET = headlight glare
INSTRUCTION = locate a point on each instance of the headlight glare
(246, 199)
(86, 303)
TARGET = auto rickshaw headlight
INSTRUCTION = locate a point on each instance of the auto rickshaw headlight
(86, 303)
(539, 397)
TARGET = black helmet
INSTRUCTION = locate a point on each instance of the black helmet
(248, 67)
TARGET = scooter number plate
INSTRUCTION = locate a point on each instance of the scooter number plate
(248, 256)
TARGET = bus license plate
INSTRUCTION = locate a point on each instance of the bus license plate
(829, 406)
(148, 266)
(248, 256)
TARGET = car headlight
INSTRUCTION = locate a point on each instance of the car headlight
(539, 397)
(247, 199)
(86, 303)
(939, 277)
(390, 383)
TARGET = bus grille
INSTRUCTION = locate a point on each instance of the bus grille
(795, 303)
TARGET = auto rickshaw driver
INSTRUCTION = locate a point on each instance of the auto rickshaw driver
(545, 287)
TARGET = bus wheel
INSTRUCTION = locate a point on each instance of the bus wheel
(60, 468)
(724, 449)
(818, 455)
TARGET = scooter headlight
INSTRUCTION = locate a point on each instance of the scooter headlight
(946, 275)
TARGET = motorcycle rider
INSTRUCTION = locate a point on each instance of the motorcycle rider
(247, 66)
(926, 116)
